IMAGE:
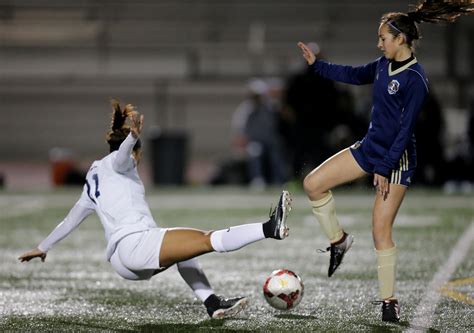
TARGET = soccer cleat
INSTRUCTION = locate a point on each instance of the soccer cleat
(278, 217)
(226, 307)
(338, 250)
(390, 310)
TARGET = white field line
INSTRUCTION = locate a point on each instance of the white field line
(424, 315)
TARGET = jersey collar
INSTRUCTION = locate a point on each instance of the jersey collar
(401, 69)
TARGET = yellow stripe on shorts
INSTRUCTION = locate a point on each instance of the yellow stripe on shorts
(396, 177)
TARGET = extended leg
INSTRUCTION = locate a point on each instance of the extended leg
(339, 169)
(192, 273)
(217, 307)
(180, 244)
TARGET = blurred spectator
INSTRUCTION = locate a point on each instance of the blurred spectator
(430, 151)
(256, 136)
(459, 176)
(318, 119)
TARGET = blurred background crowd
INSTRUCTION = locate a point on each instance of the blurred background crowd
(226, 95)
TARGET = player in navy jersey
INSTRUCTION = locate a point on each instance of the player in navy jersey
(137, 247)
(388, 150)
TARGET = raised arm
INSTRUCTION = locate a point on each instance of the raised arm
(348, 74)
(123, 160)
(308, 54)
(76, 215)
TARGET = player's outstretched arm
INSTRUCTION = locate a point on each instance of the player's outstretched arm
(308, 54)
(124, 161)
(74, 218)
(35, 253)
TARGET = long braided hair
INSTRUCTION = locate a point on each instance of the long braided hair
(119, 130)
(432, 11)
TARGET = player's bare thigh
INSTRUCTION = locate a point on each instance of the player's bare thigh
(183, 243)
(336, 170)
(383, 215)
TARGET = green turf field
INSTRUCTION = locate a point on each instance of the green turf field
(77, 290)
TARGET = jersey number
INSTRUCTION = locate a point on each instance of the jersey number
(95, 177)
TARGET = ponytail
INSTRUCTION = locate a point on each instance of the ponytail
(119, 130)
(432, 11)
(118, 117)
(440, 11)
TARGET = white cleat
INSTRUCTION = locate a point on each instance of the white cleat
(229, 307)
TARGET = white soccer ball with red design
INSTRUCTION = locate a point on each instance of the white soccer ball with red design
(283, 289)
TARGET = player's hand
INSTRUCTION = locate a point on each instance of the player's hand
(382, 185)
(308, 54)
(35, 253)
(136, 123)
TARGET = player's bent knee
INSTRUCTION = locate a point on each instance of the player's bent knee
(207, 242)
(312, 186)
(308, 184)
(202, 243)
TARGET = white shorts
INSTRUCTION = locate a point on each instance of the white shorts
(137, 256)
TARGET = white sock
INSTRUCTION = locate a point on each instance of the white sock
(234, 238)
(194, 276)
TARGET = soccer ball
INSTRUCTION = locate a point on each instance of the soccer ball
(283, 289)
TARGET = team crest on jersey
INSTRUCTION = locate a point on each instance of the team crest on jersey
(393, 87)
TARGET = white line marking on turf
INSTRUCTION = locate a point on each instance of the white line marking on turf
(424, 314)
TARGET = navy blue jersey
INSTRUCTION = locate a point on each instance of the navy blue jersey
(398, 97)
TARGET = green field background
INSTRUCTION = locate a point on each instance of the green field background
(77, 290)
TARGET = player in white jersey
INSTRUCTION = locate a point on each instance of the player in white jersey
(136, 247)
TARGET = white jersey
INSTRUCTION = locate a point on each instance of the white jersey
(116, 193)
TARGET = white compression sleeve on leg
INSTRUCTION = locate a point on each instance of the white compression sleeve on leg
(386, 269)
(234, 238)
(192, 273)
(325, 211)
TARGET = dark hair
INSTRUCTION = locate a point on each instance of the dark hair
(432, 11)
(119, 129)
